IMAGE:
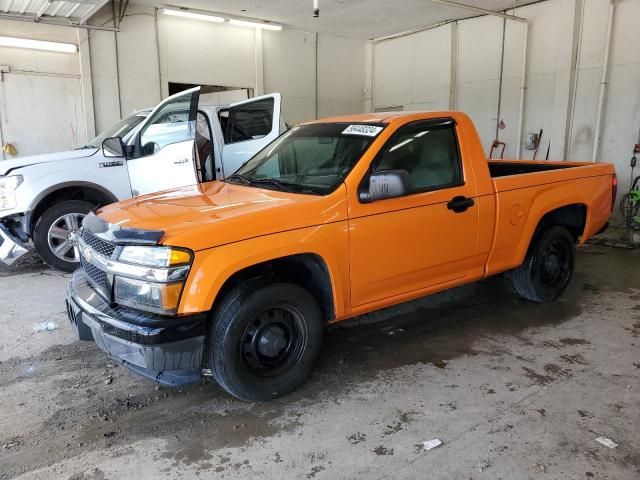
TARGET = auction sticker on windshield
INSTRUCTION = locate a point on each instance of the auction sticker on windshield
(364, 130)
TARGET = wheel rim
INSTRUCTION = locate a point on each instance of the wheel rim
(274, 341)
(555, 264)
(63, 237)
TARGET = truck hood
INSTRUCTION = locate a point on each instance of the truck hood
(7, 166)
(217, 213)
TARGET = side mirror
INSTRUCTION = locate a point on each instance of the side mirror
(113, 147)
(387, 184)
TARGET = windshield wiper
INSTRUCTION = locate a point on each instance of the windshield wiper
(86, 146)
(287, 187)
(239, 176)
(284, 186)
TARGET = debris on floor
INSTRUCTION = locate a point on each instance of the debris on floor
(607, 442)
(44, 327)
(431, 444)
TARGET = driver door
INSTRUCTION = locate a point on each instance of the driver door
(163, 151)
(248, 126)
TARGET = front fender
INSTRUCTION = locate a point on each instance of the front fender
(213, 267)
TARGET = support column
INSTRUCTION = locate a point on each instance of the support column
(86, 83)
(259, 63)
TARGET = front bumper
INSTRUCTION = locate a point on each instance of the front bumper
(11, 248)
(167, 350)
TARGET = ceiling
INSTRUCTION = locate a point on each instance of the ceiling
(74, 11)
(352, 18)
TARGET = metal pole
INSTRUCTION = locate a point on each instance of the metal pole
(603, 82)
(523, 88)
(482, 11)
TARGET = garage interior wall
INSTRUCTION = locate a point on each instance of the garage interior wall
(456, 65)
(41, 98)
(155, 51)
(414, 72)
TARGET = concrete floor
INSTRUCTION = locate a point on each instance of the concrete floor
(515, 390)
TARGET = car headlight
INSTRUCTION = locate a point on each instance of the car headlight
(8, 186)
(160, 298)
(155, 256)
(151, 278)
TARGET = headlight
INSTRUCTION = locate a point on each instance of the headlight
(151, 278)
(8, 187)
(160, 298)
(155, 256)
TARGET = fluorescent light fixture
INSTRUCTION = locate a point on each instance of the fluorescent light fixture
(245, 23)
(38, 45)
(192, 15)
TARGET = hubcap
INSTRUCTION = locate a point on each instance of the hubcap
(63, 237)
(273, 342)
(554, 263)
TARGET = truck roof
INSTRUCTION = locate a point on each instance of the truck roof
(380, 117)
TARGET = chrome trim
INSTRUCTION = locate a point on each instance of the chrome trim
(127, 270)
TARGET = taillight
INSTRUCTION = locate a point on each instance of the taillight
(614, 190)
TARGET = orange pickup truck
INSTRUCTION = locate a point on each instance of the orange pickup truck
(236, 279)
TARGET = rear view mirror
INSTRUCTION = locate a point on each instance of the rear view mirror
(387, 184)
(113, 147)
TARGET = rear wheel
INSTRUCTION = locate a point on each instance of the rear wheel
(264, 338)
(56, 234)
(548, 266)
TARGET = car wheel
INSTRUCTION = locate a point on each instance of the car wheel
(264, 339)
(56, 234)
(548, 266)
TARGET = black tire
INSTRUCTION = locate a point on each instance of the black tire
(548, 266)
(264, 339)
(41, 235)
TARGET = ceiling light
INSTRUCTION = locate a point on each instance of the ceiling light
(193, 15)
(245, 23)
(38, 45)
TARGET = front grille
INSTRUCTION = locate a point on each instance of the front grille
(97, 278)
(102, 247)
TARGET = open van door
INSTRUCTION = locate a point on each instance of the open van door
(163, 147)
(248, 126)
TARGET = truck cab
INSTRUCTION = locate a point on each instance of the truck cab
(180, 142)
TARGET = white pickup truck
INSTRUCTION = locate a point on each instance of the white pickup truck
(180, 142)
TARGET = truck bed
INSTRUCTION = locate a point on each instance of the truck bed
(503, 168)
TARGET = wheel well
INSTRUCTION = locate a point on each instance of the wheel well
(86, 193)
(307, 270)
(573, 217)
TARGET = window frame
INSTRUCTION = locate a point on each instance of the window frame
(229, 123)
(445, 122)
(192, 117)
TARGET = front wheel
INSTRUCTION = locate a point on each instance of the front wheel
(56, 234)
(264, 339)
(548, 266)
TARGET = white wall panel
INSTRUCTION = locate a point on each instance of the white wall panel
(479, 52)
(206, 53)
(289, 68)
(413, 71)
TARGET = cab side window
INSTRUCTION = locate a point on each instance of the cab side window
(249, 121)
(170, 124)
(427, 152)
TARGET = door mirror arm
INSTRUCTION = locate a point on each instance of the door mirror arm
(386, 184)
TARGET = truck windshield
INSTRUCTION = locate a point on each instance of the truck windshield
(311, 159)
(120, 129)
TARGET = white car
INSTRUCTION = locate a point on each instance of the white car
(180, 142)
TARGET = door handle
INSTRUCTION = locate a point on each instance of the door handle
(460, 204)
(178, 162)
